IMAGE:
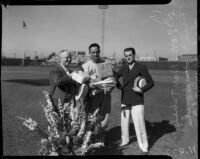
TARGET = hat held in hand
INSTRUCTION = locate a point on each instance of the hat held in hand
(140, 82)
(79, 77)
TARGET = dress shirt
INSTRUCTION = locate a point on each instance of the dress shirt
(131, 66)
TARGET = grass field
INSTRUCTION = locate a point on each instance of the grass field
(166, 112)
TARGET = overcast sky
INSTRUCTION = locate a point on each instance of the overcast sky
(153, 30)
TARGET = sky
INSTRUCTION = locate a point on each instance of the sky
(153, 30)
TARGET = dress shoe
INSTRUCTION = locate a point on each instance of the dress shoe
(144, 153)
(123, 144)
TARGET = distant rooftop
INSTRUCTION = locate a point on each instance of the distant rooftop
(189, 55)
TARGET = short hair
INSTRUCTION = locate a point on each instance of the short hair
(63, 53)
(130, 49)
(64, 50)
(94, 45)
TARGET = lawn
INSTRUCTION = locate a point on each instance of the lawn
(21, 92)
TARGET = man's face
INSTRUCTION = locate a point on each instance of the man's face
(130, 58)
(65, 58)
(94, 53)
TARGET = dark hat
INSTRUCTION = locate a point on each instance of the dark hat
(140, 82)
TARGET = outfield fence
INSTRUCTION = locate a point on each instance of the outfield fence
(171, 65)
(20, 62)
(161, 65)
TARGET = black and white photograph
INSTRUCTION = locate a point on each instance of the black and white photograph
(100, 79)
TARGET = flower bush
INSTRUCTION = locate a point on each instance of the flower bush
(70, 130)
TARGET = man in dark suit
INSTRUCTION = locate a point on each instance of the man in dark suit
(60, 78)
(132, 100)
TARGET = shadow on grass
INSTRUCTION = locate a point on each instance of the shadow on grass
(111, 141)
(155, 130)
(35, 82)
(42, 133)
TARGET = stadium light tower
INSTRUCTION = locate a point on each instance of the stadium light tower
(103, 7)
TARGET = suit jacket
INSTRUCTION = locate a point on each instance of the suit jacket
(59, 79)
(129, 96)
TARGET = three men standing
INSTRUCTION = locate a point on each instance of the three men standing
(132, 99)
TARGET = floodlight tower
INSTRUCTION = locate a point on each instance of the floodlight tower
(103, 7)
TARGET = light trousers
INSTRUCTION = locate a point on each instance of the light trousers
(137, 113)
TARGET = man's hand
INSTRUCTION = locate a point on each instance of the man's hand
(136, 89)
(105, 122)
(109, 89)
(92, 81)
(91, 85)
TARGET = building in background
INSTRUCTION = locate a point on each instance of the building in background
(78, 56)
(81, 55)
(162, 59)
(148, 58)
(187, 57)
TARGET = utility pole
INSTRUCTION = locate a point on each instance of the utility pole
(155, 54)
(42, 56)
(23, 58)
(103, 7)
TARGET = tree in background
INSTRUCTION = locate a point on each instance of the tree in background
(27, 58)
(114, 55)
(51, 55)
(36, 57)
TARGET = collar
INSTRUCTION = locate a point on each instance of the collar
(131, 66)
(64, 68)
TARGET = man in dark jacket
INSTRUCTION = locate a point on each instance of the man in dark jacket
(132, 100)
(60, 78)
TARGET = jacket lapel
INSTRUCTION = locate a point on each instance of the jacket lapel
(61, 69)
(126, 74)
(130, 74)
